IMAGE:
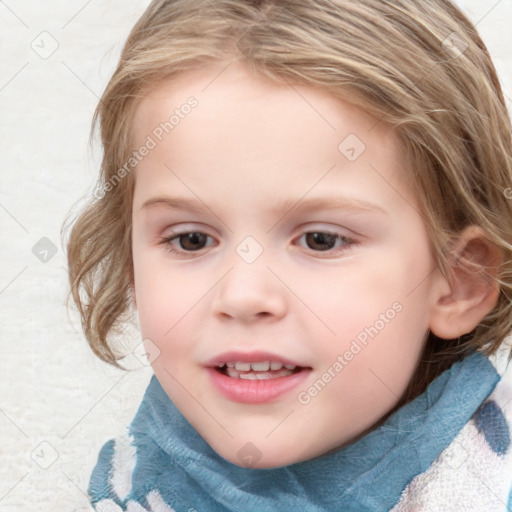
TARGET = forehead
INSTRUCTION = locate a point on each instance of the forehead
(228, 93)
(244, 129)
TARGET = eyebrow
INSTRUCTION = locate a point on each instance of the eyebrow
(327, 203)
(299, 205)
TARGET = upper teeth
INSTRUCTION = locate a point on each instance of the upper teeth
(259, 366)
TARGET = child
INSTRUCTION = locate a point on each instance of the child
(308, 205)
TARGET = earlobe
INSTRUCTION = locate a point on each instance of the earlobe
(471, 290)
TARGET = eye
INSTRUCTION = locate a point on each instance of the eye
(189, 242)
(194, 241)
(320, 241)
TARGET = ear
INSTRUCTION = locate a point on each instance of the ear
(470, 291)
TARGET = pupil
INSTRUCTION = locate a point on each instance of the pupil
(189, 241)
(323, 240)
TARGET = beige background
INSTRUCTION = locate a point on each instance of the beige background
(59, 404)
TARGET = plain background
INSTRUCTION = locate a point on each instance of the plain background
(58, 403)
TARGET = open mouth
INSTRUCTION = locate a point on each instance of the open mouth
(261, 370)
(255, 377)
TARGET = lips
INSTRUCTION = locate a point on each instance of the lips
(260, 370)
(254, 377)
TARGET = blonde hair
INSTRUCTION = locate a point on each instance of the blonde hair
(418, 66)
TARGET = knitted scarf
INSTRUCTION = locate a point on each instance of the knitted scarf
(447, 449)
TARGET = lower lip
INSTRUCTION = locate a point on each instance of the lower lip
(255, 391)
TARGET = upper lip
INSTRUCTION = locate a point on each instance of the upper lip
(249, 357)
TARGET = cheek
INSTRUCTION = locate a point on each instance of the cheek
(159, 308)
(167, 302)
(355, 297)
(377, 315)
(156, 297)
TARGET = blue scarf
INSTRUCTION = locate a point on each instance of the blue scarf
(162, 462)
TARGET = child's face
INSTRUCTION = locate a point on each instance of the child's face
(344, 294)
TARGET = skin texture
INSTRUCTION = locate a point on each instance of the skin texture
(248, 146)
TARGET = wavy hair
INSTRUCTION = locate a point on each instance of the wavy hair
(418, 66)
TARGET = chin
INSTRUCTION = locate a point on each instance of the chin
(249, 455)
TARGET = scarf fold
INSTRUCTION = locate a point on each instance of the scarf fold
(161, 464)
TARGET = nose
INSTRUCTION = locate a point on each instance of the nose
(250, 292)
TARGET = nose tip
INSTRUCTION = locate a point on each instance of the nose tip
(249, 292)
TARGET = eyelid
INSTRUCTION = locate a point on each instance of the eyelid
(347, 236)
(183, 228)
(328, 228)
(348, 242)
(166, 241)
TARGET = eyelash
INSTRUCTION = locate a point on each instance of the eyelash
(347, 242)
